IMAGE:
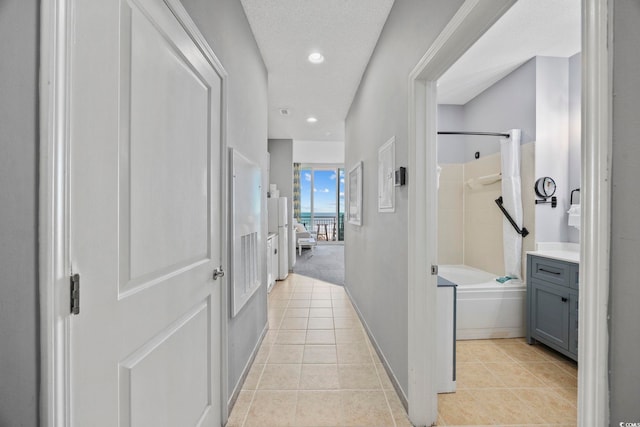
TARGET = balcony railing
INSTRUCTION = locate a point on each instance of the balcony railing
(328, 228)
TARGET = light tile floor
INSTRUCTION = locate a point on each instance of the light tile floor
(507, 382)
(316, 366)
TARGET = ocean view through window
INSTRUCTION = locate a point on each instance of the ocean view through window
(322, 201)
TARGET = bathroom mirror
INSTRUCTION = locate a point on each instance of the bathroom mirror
(545, 187)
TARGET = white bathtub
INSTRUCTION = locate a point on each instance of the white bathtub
(485, 308)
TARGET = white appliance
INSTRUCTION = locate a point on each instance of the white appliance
(278, 223)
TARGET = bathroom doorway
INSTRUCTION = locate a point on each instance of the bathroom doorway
(423, 87)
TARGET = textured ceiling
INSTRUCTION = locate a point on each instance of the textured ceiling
(530, 28)
(287, 31)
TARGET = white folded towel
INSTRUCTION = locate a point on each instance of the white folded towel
(574, 216)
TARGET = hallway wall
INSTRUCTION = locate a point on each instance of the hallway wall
(19, 308)
(225, 26)
(625, 209)
(376, 252)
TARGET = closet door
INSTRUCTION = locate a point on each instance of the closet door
(145, 219)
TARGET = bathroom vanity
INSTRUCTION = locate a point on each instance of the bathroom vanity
(552, 297)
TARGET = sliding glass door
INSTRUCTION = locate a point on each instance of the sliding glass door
(322, 201)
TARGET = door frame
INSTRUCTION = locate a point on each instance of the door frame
(471, 21)
(56, 39)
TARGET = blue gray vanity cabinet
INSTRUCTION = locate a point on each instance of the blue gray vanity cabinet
(552, 304)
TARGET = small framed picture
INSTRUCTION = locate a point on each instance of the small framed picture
(386, 178)
(355, 195)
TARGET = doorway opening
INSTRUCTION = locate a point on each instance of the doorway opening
(322, 201)
(320, 222)
(473, 20)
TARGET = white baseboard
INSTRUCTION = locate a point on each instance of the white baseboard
(376, 347)
(238, 387)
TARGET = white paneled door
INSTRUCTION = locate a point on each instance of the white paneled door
(145, 218)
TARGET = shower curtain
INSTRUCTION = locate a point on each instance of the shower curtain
(512, 200)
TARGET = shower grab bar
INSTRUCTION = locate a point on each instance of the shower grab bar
(523, 232)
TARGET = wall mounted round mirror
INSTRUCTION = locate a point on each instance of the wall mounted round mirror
(545, 187)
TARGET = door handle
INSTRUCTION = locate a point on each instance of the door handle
(218, 272)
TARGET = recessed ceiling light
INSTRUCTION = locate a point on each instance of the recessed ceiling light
(316, 58)
(311, 120)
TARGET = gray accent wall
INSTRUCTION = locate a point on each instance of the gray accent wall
(575, 133)
(451, 147)
(19, 308)
(225, 26)
(376, 252)
(552, 144)
(624, 348)
(510, 103)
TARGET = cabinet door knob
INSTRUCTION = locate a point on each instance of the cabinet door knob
(564, 299)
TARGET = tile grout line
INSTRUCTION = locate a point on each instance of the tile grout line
(521, 363)
(335, 298)
(545, 382)
(255, 392)
(547, 387)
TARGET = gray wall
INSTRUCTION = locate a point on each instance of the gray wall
(575, 133)
(281, 174)
(19, 349)
(625, 210)
(552, 144)
(227, 30)
(376, 252)
(450, 147)
(510, 103)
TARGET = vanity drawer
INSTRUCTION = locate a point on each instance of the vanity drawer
(552, 271)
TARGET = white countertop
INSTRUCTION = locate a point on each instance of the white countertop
(558, 250)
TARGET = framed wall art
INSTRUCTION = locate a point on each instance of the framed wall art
(354, 190)
(386, 165)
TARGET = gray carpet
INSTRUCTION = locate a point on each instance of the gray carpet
(325, 263)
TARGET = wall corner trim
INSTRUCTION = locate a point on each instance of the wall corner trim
(595, 233)
(472, 19)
